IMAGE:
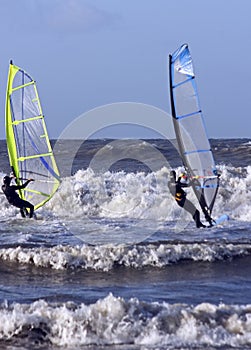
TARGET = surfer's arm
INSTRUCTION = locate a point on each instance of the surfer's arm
(20, 187)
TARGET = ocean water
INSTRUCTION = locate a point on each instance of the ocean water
(113, 263)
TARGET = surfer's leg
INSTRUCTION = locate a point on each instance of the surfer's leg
(205, 212)
(188, 206)
(31, 207)
(31, 210)
(22, 213)
(19, 204)
(23, 205)
(196, 218)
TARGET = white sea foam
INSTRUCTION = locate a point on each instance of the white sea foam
(145, 196)
(113, 320)
(107, 257)
(140, 196)
(127, 208)
(234, 195)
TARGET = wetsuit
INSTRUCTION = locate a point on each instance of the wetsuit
(179, 194)
(14, 199)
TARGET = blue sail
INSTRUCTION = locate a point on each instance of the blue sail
(193, 143)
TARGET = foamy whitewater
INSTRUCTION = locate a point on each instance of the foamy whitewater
(112, 262)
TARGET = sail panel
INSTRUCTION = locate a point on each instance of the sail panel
(29, 110)
(28, 143)
(193, 133)
(194, 146)
(185, 92)
(30, 138)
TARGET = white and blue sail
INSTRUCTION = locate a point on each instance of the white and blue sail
(193, 143)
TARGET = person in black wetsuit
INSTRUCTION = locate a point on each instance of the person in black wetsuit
(175, 187)
(14, 199)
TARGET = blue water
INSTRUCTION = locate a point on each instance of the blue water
(112, 262)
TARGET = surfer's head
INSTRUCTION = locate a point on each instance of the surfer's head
(172, 175)
(6, 180)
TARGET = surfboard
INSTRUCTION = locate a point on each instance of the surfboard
(29, 149)
(221, 220)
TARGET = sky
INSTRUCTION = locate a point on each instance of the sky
(85, 54)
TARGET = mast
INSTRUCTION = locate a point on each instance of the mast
(175, 123)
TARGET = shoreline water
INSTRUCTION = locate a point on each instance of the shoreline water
(109, 266)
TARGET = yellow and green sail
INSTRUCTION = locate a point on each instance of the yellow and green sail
(28, 144)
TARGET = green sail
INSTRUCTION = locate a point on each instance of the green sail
(29, 148)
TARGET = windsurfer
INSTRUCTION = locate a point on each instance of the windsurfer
(14, 199)
(175, 187)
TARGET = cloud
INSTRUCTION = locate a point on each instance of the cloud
(55, 16)
(74, 15)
